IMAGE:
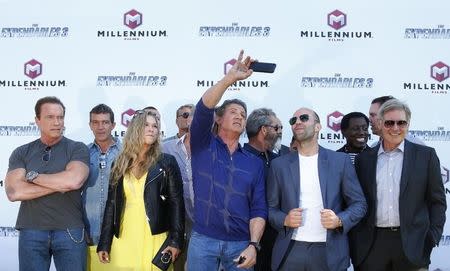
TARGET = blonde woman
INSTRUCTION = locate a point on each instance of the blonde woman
(145, 201)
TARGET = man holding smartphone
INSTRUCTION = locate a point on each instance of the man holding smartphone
(230, 206)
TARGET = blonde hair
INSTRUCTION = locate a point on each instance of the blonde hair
(133, 144)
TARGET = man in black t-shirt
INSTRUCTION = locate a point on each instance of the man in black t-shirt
(46, 176)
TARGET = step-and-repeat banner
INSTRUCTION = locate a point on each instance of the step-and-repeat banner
(334, 57)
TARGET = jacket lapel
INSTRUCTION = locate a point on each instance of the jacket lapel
(408, 160)
(295, 175)
(323, 174)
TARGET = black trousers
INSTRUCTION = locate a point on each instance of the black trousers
(264, 257)
(387, 253)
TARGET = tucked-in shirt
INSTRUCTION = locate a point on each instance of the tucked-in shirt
(95, 189)
(228, 188)
(177, 148)
(389, 172)
(311, 229)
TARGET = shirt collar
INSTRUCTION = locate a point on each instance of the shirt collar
(400, 147)
(116, 143)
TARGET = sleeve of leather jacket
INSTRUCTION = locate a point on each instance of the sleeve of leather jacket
(107, 232)
(176, 202)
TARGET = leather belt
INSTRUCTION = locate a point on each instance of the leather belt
(388, 228)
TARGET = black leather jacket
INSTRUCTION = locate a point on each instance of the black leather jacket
(163, 199)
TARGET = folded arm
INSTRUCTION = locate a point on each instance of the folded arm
(72, 178)
(18, 189)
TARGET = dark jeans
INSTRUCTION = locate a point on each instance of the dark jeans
(36, 248)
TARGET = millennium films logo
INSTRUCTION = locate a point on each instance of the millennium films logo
(234, 31)
(20, 130)
(236, 86)
(336, 81)
(439, 32)
(35, 31)
(337, 20)
(131, 80)
(334, 124)
(133, 20)
(439, 71)
(32, 69)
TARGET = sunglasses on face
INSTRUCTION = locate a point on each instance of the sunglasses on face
(303, 118)
(47, 154)
(276, 127)
(185, 115)
(391, 123)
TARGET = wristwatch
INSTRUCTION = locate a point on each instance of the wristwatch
(31, 175)
(256, 245)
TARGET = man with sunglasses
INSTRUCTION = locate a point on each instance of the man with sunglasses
(406, 200)
(314, 199)
(183, 120)
(263, 131)
(46, 176)
(103, 151)
(229, 206)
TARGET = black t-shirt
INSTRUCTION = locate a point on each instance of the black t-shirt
(58, 210)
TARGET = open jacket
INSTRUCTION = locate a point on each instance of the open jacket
(163, 199)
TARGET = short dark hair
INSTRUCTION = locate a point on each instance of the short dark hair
(47, 100)
(345, 122)
(258, 118)
(102, 109)
(382, 99)
(190, 106)
(221, 109)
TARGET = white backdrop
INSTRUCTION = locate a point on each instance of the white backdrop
(332, 57)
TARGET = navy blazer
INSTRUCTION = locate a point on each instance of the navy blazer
(422, 203)
(341, 192)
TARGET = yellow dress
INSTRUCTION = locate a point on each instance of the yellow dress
(136, 247)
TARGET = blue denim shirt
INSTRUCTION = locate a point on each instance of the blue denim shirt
(176, 148)
(95, 190)
(229, 189)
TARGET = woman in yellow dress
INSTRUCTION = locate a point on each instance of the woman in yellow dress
(145, 201)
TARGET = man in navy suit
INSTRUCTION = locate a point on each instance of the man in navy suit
(406, 199)
(314, 199)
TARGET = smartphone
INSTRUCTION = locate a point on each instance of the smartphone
(263, 67)
(240, 260)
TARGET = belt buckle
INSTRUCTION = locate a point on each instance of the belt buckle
(394, 228)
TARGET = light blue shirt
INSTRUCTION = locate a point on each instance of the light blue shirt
(177, 148)
(95, 189)
(389, 172)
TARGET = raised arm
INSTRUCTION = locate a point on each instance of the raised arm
(239, 71)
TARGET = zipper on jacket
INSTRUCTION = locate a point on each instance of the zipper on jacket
(161, 171)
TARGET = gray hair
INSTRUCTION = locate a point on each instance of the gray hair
(258, 118)
(394, 104)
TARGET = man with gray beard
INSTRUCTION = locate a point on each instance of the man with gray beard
(263, 131)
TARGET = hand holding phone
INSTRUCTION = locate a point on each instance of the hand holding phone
(263, 67)
(240, 260)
